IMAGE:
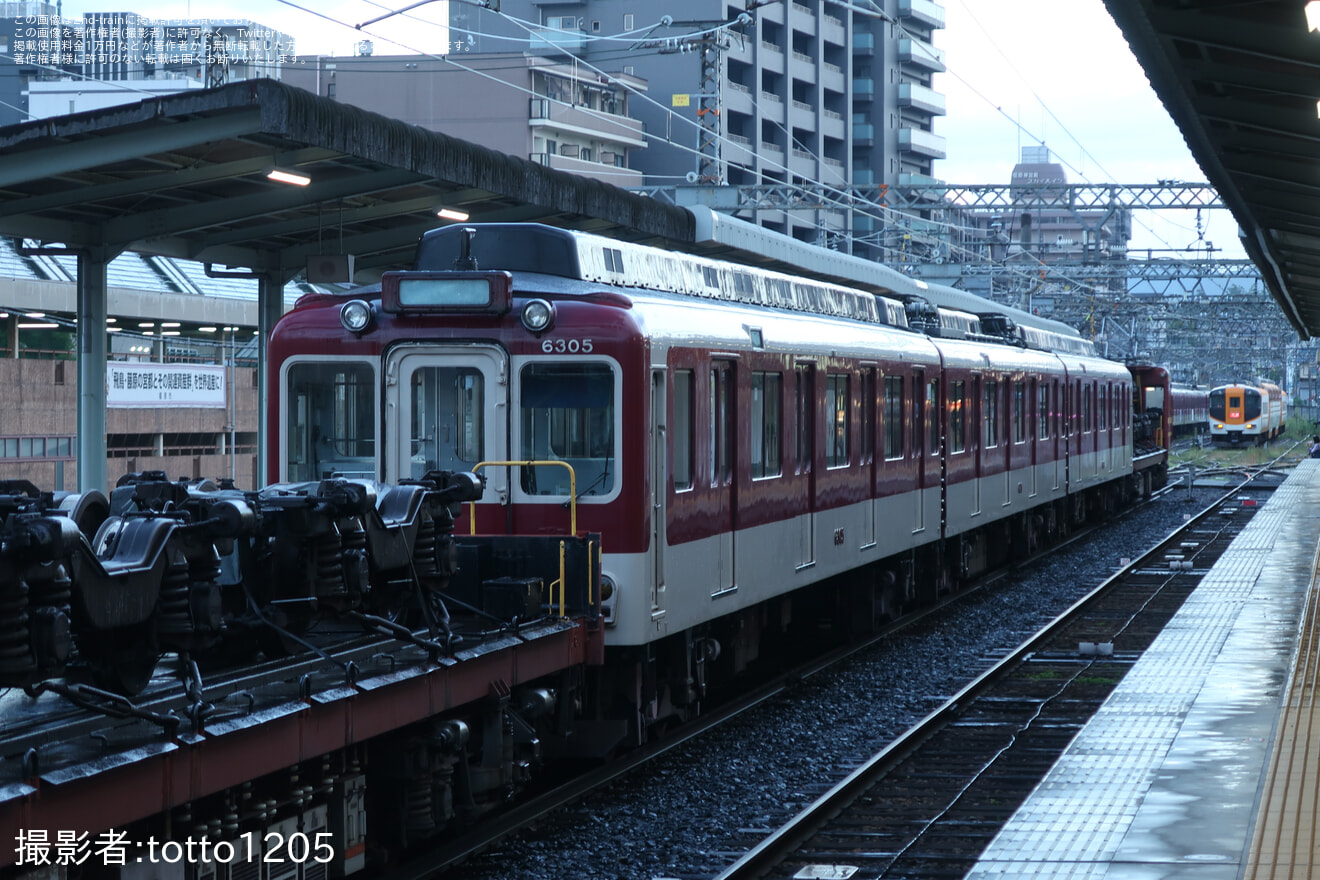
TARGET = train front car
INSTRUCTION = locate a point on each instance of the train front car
(1246, 413)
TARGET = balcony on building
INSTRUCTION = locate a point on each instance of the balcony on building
(863, 88)
(549, 39)
(601, 165)
(863, 43)
(923, 143)
(831, 124)
(832, 29)
(545, 113)
(919, 97)
(921, 54)
(739, 150)
(863, 134)
(738, 97)
(928, 13)
(771, 153)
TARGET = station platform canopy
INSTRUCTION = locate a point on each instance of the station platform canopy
(186, 176)
(1242, 81)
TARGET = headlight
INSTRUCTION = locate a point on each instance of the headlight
(538, 315)
(355, 315)
(607, 598)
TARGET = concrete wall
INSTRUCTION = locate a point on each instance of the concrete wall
(39, 400)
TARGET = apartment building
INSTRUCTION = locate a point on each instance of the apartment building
(836, 98)
(558, 114)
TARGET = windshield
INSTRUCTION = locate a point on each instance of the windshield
(567, 414)
(331, 421)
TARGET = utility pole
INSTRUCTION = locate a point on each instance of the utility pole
(711, 38)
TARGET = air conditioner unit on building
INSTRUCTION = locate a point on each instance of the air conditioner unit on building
(330, 269)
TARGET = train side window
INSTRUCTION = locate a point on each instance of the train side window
(836, 409)
(1086, 410)
(893, 417)
(1042, 412)
(933, 416)
(805, 396)
(868, 415)
(1019, 412)
(721, 425)
(1102, 410)
(766, 424)
(991, 414)
(957, 416)
(682, 433)
(332, 417)
(567, 413)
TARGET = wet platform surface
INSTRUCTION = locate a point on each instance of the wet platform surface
(1205, 761)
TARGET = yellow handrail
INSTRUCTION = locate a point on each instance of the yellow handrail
(572, 490)
(562, 582)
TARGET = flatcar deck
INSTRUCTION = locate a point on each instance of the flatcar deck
(1205, 761)
(62, 766)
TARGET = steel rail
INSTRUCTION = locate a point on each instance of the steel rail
(776, 847)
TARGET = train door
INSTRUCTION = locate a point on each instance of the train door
(975, 437)
(722, 419)
(870, 455)
(1066, 431)
(999, 448)
(1033, 432)
(804, 377)
(450, 406)
(922, 410)
(659, 486)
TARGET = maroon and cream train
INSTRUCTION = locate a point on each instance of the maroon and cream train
(757, 451)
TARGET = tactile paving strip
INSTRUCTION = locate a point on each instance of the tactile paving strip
(1163, 781)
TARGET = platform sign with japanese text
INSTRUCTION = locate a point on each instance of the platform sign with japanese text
(152, 385)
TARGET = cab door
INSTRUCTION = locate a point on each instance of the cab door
(446, 408)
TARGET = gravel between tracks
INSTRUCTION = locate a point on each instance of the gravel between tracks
(700, 807)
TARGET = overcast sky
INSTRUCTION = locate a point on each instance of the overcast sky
(1058, 72)
(1020, 72)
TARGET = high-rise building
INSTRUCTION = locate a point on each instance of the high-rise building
(826, 103)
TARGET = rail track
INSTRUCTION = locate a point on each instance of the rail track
(493, 830)
(928, 804)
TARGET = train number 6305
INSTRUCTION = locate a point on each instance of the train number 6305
(566, 346)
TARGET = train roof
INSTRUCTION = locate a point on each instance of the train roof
(552, 251)
(749, 241)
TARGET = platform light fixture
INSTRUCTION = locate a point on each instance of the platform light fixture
(1313, 16)
(452, 214)
(283, 175)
